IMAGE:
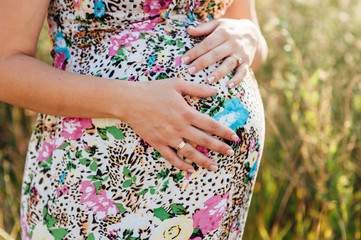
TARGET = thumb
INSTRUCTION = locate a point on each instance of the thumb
(196, 89)
(203, 28)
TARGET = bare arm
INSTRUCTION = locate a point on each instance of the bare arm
(31, 84)
(148, 107)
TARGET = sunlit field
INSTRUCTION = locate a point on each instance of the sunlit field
(309, 183)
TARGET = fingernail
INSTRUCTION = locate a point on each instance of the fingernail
(213, 168)
(191, 27)
(231, 85)
(191, 170)
(185, 59)
(230, 152)
(210, 79)
(235, 137)
(192, 70)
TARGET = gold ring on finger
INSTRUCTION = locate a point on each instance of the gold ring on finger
(238, 59)
(180, 146)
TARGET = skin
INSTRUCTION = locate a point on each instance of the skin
(235, 36)
(155, 110)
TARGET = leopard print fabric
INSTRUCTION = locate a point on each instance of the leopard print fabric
(96, 178)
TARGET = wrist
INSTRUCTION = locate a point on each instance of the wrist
(119, 99)
(261, 45)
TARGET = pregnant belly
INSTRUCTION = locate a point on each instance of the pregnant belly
(156, 54)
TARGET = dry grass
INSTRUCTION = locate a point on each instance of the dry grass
(307, 187)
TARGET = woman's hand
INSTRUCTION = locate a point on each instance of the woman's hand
(158, 113)
(235, 41)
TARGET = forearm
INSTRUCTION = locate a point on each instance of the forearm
(31, 84)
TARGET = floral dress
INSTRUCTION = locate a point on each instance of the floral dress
(96, 178)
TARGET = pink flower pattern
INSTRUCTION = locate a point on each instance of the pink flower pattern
(124, 38)
(252, 144)
(101, 205)
(152, 7)
(157, 68)
(62, 191)
(210, 218)
(25, 235)
(145, 25)
(234, 224)
(48, 148)
(203, 150)
(76, 3)
(73, 127)
(178, 61)
(59, 60)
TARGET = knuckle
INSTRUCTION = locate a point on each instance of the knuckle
(213, 126)
(189, 153)
(236, 43)
(216, 53)
(228, 33)
(177, 128)
(175, 83)
(168, 157)
(252, 38)
(204, 162)
(236, 79)
(187, 115)
(225, 32)
(223, 148)
(201, 63)
(231, 64)
(168, 130)
(205, 44)
(206, 142)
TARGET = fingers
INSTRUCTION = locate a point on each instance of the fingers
(197, 157)
(206, 140)
(207, 59)
(206, 45)
(195, 89)
(238, 77)
(174, 159)
(210, 125)
(203, 29)
(225, 68)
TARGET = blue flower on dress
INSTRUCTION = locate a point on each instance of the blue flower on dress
(151, 60)
(253, 169)
(60, 44)
(62, 177)
(99, 9)
(234, 114)
(191, 16)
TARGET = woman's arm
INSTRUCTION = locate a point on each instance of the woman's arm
(34, 85)
(156, 110)
(237, 36)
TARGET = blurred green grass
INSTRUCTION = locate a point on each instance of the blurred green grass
(308, 186)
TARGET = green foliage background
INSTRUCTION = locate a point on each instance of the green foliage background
(308, 186)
